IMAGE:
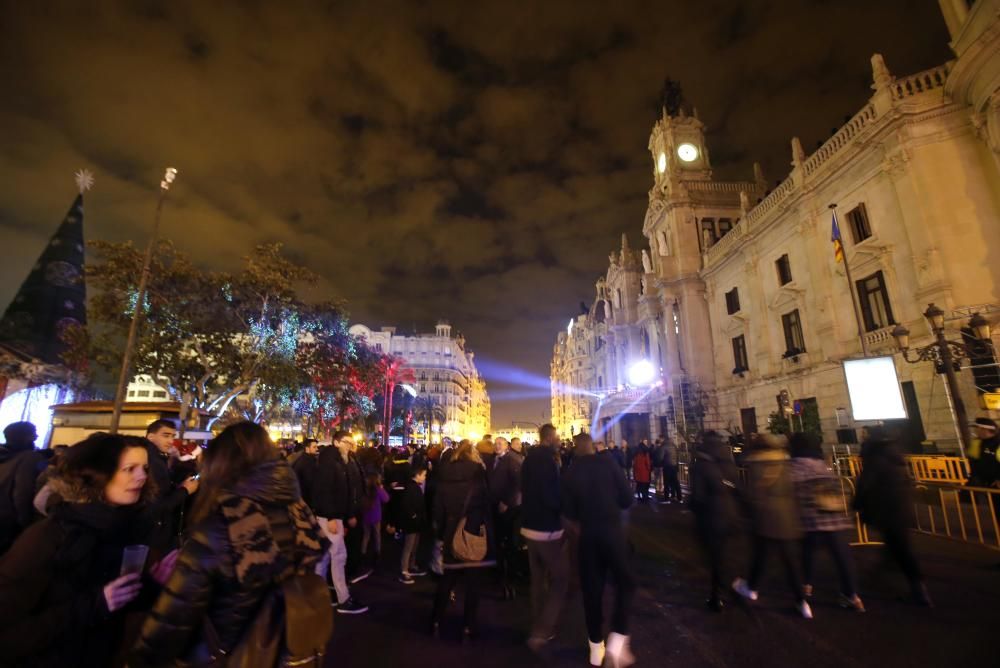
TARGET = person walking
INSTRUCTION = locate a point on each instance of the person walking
(774, 518)
(542, 530)
(251, 529)
(336, 495)
(64, 589)
(824, 517)
(642, 468)
(505, 488)
(595, 492)
(884, 501)
(462, 503)
(713, 499)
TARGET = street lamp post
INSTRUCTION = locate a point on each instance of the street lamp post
(947, 357)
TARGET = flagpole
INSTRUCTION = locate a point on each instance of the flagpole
(850, 289)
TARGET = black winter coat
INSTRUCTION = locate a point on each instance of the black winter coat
(713, 496)
(167, 510)
(505, 479)
(884, 492)
(541, 505)
(411, 514)
(338, 487)
(595, 492)
(53, 611)
(18, 473)
(462, 486)
(306, 466)
(225, 583)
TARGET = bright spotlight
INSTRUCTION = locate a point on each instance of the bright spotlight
(409, 389)
(641, 373)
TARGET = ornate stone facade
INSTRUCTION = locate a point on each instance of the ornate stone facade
(445, 372)
(740, 296)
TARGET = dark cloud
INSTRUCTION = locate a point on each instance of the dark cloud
(471, 161)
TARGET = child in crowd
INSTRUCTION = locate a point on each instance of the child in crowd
(375, 496)
(412, 521)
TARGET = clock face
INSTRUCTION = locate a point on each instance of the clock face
(687, 152)
(661, 162)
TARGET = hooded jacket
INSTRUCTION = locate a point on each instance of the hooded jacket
(52, 581)
(713, 496)
(884, 492)
(259, 532)
(771, 493)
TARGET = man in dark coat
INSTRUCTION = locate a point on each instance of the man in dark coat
(542, 530)
(336, 496)
(595, 493)
(884, 500)
(305, 466)
(167, 510)
(984, 454)
(713, 502)
(20, 465)
(505, 489)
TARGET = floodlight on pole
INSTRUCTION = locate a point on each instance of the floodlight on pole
(641, 373)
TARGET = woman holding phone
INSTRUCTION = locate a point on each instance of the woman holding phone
(67, 582)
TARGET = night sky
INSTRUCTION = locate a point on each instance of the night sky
(475, 161)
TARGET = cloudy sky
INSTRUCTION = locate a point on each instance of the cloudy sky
(474, 161)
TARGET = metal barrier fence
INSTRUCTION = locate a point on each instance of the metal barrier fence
(922, 468)
(968, 514)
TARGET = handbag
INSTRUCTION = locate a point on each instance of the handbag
(465, 545)
(292, 628)
(828, 498)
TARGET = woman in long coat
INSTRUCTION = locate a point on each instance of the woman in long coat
(462, 492)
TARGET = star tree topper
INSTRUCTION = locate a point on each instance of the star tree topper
(84, 180)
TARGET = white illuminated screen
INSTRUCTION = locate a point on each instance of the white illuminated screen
(874, 389)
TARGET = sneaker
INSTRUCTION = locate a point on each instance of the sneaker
(853, 603)
(417, 574)
(805, 610)
(351, 607)
(741, 587)
(363, 575)
(807, 591)
(618, 651)
(406, 579)
(537, 643)
(596, 653)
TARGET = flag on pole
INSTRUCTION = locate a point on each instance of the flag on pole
(838, 245)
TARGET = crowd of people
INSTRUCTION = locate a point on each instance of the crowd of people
(123, 550)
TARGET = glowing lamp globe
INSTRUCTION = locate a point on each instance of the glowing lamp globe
(641, 373)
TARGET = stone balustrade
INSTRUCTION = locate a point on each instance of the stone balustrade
(920, 82)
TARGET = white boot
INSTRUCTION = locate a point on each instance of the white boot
(619, 651)
(596, 653)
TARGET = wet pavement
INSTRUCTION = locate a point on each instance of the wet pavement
(672, 627)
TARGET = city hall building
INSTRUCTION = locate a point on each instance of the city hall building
(738, 296)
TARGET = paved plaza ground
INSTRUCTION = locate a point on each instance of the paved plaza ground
(671, 626)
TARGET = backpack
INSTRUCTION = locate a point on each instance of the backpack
(292, 627)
